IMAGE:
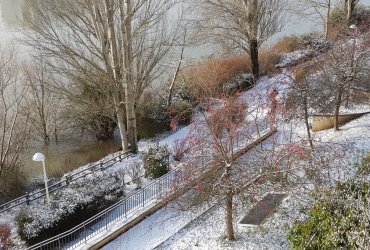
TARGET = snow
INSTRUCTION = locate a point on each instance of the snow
(157, 228)
(293, 58)
(207, 230)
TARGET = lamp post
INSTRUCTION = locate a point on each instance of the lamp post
(41, 157)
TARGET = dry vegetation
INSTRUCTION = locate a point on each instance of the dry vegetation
(209, 75)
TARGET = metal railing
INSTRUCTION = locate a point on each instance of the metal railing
(154, 192)
(40, 193)
(157, 190)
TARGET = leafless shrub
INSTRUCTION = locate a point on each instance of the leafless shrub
(135, 170)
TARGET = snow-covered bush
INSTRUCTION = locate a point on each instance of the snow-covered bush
(70, 206)
(339, 219)
(316, 42)
(293, 58)
(156, 162)
(308, 45)
(239, 83)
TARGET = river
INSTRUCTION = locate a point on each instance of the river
(68, 152)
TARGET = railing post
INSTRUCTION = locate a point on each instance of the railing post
(143, 190)
(106, 221)
(28, 199)
(68, 179)
(101, 165)
(125, 207)
(120, 158)
(85, 234)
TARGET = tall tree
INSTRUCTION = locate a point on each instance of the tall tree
(15, 128)
(119, 41)
(350, 5)
(40, 100)
(317, 8)
(242, 24)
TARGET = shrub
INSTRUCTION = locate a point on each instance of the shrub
(70, 206)
(182, 111)
(5, 236)
(152, 115)
(156, 162)
(316, 42)
(268, 59)
(337, 220)
(179, 149)
(287, 44)
(134, 170)
(207, 77)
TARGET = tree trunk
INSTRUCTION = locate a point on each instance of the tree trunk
(306, 120)
(337, 107)
(122, 127)
(253, 46)
(327, 21)
(350, 6)
(229, 215)
(125, 9)
(177, 70)
(229, 205)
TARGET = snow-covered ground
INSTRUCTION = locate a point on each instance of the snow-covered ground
(208, 230)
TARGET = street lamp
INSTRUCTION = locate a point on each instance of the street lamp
(41, 157)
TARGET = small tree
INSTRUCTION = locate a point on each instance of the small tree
(345, 75)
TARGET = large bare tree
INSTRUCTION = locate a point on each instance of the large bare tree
(242, 24)
(119, 42)
(14, 125)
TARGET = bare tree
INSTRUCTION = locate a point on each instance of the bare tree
(121, 42)
(345, 75)
(135, 172)
(40, 100)
(242, 24)
(14, 125)
(321, 8)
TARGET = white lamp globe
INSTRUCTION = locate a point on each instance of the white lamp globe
(38, 157)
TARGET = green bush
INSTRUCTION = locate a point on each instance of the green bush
(364, 167)
(337, 220)
(156, 162)
(152, 115)
(182, 111)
